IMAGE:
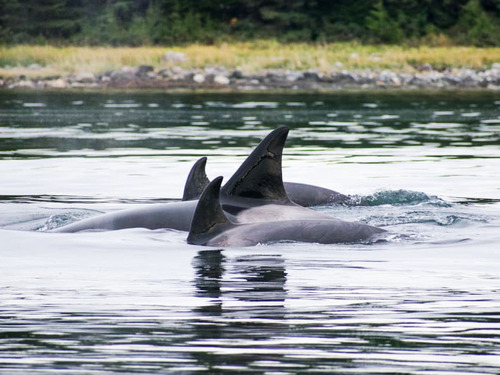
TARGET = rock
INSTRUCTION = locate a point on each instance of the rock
(405, 78)
(292, 76)
(56, 83)
(425, 67)
(25, 84)
(388, 77)
(221, 80)
(129, 70)
(343, 77)
(237, 74)
(214, 70)
(219, 76)
(311, 76)
(85, 77)
(273, 76)
(175, 73)
(492, 76)
(174, 57)
(35, 67)
(164, 73)
(469, 78)
(125, 76)
(144, 70)
(366, 77)
(452, 80)
(417, 81)
(198, 78)
(177, 70)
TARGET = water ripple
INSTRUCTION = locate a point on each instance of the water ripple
(425, 300)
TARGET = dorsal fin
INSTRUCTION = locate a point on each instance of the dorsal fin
(208, 219)
(197, 180)
(260, 175)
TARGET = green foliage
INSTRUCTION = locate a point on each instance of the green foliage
(38, 21)
(154, 22)
(382, 26)
(476, 27)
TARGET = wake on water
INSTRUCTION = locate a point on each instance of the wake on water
(407, 215)
(396, 198)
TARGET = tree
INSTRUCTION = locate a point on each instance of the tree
(39, 20)
(476, 27)
(382, 26)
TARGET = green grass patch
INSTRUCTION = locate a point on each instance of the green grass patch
(250, 57)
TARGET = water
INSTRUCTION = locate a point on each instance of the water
(422, 165)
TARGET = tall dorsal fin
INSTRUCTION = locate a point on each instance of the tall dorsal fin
(208, 219)
(197, 180)
(260, 175)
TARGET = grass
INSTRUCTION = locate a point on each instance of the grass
(250, 57)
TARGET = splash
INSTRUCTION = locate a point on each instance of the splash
(428, 217)
(58, 220)
(396, 198)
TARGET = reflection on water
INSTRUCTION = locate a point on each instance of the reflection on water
(241, 313)
(245, 307)
(423, 165)
(57, 126)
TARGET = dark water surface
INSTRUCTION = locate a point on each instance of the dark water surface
(425, 166)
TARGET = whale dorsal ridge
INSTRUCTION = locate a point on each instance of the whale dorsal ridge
(209, 219)
(197, 180)
(260, 175)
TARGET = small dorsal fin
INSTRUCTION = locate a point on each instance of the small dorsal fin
(196, 181)
(208, 219)
(260, 175)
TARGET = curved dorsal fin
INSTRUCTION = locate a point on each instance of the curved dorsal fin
(196, 181)
(260, 175)
(208, 219)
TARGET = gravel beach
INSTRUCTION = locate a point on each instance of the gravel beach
(221, 78)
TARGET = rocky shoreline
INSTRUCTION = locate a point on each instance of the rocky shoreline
(221, 78)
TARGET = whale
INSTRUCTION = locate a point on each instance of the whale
(304, 195)
(175, 215)
(256, 186)
(212, 227)
(307, 195)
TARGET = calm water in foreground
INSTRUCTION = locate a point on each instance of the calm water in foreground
(424, 166)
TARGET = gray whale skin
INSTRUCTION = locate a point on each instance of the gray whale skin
(211, 227)
(257, 182)
(254, 194)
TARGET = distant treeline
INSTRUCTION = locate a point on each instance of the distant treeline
(168, 22)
